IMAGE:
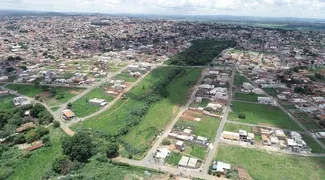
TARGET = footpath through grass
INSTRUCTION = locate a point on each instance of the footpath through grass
(113, 121)
(262, 115)
(82, 108)
(265, 165)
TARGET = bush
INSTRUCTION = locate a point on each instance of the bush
(242, 116)
(56, 124)
(62, 165)
(166, 142)
(112, 150)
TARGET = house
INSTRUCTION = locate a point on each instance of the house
(97, 102)
(187, 162)
(202, 140)
(180, 145)
(183, 162)
(258, 91)
(67, 114)
(213, 107)
(221, 167)
(265, 100)
(133, 67)
(21, 101)
(162, 153)
(35, 146)
(248, 86)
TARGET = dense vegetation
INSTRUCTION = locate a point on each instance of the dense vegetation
(202, 52)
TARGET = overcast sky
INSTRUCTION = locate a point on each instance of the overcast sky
(270, 8)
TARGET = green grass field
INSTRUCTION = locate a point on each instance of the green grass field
(46, 96)
(162, 112)
(55, 108)
(35, 166)
(246, 97)
(315, 147)
(207, 127)
(125, 76)
(262, 115)
(204, 103)
(270, 91)
(174, 158)
(156, 118)
(236, 127)
(322, 140)
(6, 102)
(82, 108)
(264, 165)
(197, 151)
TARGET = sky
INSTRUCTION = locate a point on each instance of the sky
(261, 8)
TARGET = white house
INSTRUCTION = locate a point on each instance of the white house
(265, 100)
(97, 102)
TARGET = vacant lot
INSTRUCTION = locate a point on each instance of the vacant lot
(262, 115)
(6, 102)
(247, 97)
(125, 76)
(239, 79)
(156, 117)
(270, 91)
(82, 108)
(174, 158)
(315, 147)
(265, 165)
(204, 103)
(50, 96)
(236, 127)
(207, 127)
(162, 112)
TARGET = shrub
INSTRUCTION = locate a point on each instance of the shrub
(242, 116)
(62, 165)
(56, 124)
(166, 142)
(112, 150)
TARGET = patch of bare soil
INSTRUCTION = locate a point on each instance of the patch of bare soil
(243, 174)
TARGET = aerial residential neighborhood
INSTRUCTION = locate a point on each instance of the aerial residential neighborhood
(97, 96)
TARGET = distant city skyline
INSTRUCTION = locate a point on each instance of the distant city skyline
(262, 8)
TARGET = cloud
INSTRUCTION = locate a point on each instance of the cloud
(297, 8)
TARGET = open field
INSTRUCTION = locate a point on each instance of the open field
(236, 127)
(174, 158)
(125, 76)
(239, 79)
(322, 140)
(315, 147)
(266, 165)
(246, 97)
(82, 108)
(159, 115)
(50, 96)
(40, 161)
(196, 151)
(55, 108)
(262, 115)
(270, 91)
(155, 118)
(6, 102)
(207, 127)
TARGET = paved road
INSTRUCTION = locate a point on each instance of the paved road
(213, 151)
(172, 170)
(288, 113)
(148, 157)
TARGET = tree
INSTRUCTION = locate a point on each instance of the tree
(112, 150)
(78, 147)
(10, 69)
(32, 136)
(23, 67)
(10, 58)
(56, 124)
(36, 109)
(62, 165)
